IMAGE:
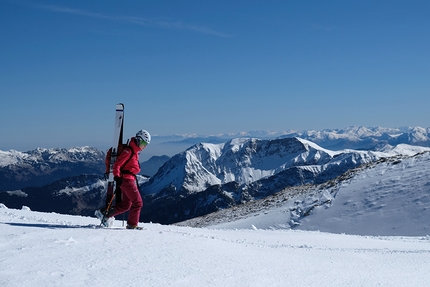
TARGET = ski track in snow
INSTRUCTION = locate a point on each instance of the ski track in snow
(48, 249)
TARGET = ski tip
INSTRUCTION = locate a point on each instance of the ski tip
(120, 106)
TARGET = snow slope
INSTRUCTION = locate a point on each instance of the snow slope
(390, 197)
(47, 249)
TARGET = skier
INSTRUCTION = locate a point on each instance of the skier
(125, 169)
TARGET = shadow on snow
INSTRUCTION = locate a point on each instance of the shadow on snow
(52, 226)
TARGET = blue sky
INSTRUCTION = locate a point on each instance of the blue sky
(208, 67)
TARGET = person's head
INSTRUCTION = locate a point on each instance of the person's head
(143, 138)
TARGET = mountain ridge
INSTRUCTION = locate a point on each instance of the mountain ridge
(377, 198)
(40, 166)
(208, 177)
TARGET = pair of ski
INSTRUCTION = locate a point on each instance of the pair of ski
(117, 142)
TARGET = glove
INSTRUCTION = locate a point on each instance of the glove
(118, 180)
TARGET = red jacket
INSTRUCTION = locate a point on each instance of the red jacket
(127, 163)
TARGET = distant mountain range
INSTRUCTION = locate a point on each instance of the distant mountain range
(78, 195)
(151, 166)
(207, 176)
(354, 137)
(366, 138)
(42, 166)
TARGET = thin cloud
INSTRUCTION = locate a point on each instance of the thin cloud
(136, 20)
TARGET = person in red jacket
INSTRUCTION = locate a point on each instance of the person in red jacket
(125, 169)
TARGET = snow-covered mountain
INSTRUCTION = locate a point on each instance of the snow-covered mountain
(42, 166)
(390, 196)
(209, 177)
(79, 195)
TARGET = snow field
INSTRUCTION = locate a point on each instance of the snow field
(41, 249)
(389, 199)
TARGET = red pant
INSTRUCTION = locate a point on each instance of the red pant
(131, 200)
